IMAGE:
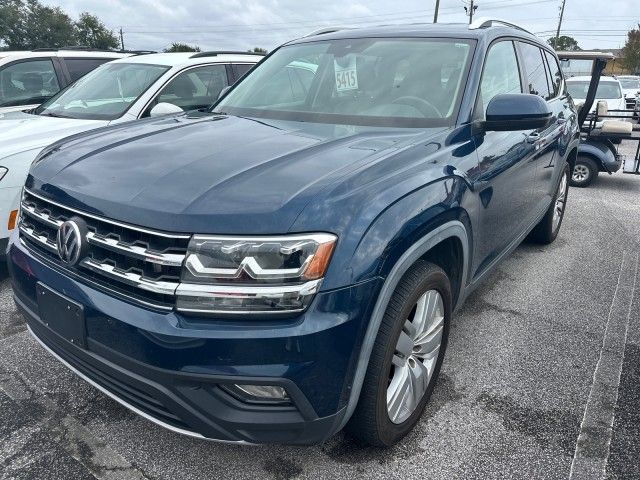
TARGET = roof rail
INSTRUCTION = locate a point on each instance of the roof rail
(325, 30)
(485, 22)
(81, 48)
(222, 52)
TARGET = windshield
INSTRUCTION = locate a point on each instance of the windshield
(630, 83)
(606, 90)
(104, 94)
(372, 81)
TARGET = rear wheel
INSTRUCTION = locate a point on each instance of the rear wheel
(547, 230)
(406, 357)
(584, 172)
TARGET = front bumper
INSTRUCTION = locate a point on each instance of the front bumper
(169, 368)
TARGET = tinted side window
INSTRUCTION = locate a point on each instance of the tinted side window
(500, 75)
(79, 67)
(27, 83)
(556, 73)
(239, 69)
(535, 70)
(193, 89)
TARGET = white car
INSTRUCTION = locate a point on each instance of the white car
(29, 78)
(116, 92)
(609, 90)
(631, 91)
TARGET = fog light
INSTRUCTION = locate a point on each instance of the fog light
(259, 393)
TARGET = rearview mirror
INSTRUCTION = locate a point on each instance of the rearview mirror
(519, 111)
(164, 108)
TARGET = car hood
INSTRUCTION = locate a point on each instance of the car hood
(210, 174)
(21, 131)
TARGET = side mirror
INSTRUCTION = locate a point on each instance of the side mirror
(223, 91)
(519, 111)
(164, 108)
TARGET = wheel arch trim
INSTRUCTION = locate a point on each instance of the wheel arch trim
(455, 229)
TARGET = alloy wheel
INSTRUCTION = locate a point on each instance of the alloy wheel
(580, 173)
(415, 356)
(561, 200)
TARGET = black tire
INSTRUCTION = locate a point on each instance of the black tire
(545, 231)
(370, 422)
(591, 169)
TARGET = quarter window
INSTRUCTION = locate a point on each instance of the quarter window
(27, 83)
(501, 74)
(535, 70)
(79, 67)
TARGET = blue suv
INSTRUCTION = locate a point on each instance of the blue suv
(288, 262)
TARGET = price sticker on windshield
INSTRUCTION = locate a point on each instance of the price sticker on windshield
(346, 73)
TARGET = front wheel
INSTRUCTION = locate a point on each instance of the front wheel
(584, 172)
(406, 357)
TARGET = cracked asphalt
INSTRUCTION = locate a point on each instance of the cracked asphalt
(540, 381)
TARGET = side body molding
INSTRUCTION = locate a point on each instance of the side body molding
(417, 250)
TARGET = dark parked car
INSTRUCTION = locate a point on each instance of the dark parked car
(288, 263)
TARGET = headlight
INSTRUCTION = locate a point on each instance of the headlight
(253, 274)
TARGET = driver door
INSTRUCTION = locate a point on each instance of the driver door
(505, 174)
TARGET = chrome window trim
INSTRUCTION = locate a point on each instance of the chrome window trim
(106, 220)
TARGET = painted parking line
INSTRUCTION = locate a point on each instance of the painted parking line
(592, 448)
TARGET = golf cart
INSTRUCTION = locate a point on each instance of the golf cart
(602, 128)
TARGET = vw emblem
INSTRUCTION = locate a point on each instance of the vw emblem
(70, 241)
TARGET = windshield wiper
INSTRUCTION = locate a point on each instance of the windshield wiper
(55, 115)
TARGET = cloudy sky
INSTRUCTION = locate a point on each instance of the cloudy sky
(241, 24)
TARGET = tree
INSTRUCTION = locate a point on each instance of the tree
(564, 43)
(91, 32)
(181, 47)
(258, 50)
(11, 24)
(631, 51)
(46, 27)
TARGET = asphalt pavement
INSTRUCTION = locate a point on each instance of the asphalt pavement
(540, 381)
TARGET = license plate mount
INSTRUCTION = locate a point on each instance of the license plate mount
(62, 315)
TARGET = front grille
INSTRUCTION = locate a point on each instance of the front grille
(140, 264)
(631, 103)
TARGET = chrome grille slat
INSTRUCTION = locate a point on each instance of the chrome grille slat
(141, 264)
(41, 240)
(133, 279)
(43, 217)
(141, 253)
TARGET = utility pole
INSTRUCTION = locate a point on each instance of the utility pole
(470, 9)
(560, 21)
(121, 38)
(435, 15)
